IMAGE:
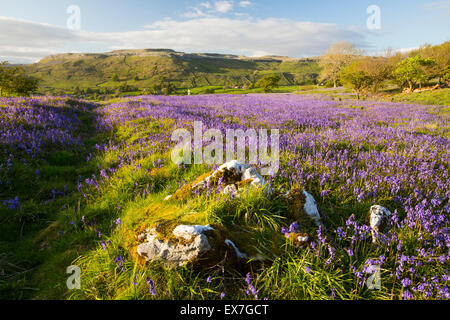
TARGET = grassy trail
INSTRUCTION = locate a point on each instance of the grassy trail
(32, 267)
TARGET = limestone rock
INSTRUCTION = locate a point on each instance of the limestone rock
(233, 176)
(204, 245)
(192, 242)
(303, 210)
(380, 220)
(310, 208)
(230, 189)
(233, 172)
(302, 207)
(188, 232)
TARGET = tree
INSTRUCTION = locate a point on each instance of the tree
(155, 89)
(411, 71)
(441, 56)
(359, 80)
(268, 83)
(5, 78)
(209, 91)
(378, 69)
(167, 87)
(367, 74)
(338, 56)
(24, 85)
(13, 80)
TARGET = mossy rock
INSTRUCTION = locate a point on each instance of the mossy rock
(211, 178)
(202, 250)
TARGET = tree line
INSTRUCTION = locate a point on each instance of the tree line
(343, 64)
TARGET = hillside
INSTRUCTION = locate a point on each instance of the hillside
(144, 68)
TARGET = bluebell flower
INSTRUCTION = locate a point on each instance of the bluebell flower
(406, 282)
(350, 252)
(293, 227)
(12, 204)
(151, 286)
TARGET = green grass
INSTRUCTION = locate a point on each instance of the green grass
(435, 97)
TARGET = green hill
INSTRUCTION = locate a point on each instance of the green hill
(139, 70)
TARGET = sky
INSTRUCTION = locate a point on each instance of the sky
(32, 29)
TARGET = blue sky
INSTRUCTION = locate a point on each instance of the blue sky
(31, 29)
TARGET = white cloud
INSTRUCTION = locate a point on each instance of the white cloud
(18, 32)
(29, 41)
(206, 4)
(26, 41)
(225, 35)
(194, 13)
(245, 4)
(223, 6)
(206, 9)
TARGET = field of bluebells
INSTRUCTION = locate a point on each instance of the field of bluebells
(78, 182)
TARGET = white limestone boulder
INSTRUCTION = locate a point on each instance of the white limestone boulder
(303, 208)
(189, 243)
(311, 208)
(193, 243)
(380, 220)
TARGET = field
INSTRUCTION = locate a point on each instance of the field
(441, 97)
(80, 180)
